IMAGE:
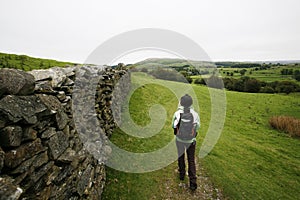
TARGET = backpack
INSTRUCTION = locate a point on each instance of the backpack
(185, 128)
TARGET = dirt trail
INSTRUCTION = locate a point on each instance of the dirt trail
(176, 189)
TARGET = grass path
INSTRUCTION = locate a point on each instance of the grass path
(205, 190)
(163, 184)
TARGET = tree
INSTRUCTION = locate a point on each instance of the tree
(229, 83)
(200, 81)
(252, 85)
(290, 72)
(243, 71)
(184, 73)
(287, 87)
(145, 70)
(267, 89)
(297, 75)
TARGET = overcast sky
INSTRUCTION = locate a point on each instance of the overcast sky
(69, 30)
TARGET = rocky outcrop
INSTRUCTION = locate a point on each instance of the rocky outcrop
(42, 154)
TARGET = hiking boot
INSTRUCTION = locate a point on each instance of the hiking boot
(193, 186)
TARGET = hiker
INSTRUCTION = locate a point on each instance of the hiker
(186, 122)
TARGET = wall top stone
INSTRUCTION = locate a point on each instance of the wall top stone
(16, 82)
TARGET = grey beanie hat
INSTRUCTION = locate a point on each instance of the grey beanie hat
(186, 101)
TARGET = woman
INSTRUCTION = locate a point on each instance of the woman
(186, 122)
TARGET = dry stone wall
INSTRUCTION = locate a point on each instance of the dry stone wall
(41, 153)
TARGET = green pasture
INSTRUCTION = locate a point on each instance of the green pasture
(249, 161)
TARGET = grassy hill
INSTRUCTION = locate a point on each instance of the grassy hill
(28, 63)
(171, 62)
(250, 160)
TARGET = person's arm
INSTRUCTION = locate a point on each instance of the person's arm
(196, 122)
(174, 123)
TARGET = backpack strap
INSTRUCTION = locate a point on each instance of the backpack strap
(178, 125)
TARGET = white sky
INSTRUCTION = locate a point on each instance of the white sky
(69, 30)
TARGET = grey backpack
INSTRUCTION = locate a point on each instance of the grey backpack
(186, 127)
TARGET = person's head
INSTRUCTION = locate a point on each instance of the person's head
(186, 101)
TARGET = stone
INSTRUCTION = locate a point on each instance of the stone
(62, 119)
(44, 87)
(8, 190)
(11, 136)
(21, 108)
(2, 157)
(53, 175)
(49, 132)
(61, 95)
(34, 162)
(85, 180)
(63, 174)
(66, 189)
(15, 157)
(67, 130)
(68, 156)
(44, 194)
(57, 144)
(68, 82)
(50, 101)
(100, 179)
(31, 180)
(55, 77)
(29, 134)
(2, 124)
(16, 82)
(43, 125)
(41, 75)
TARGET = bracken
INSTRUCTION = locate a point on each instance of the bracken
(286, 124)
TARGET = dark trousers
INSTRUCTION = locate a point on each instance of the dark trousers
(190, 150)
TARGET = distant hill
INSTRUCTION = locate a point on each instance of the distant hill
(28, 63)
(173, 62)
(283, 62)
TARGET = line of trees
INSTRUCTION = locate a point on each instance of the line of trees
(248, 84)
(295, 73)
(171, 75)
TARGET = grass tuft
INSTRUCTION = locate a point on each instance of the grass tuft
(286, 124)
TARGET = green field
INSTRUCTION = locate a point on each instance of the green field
(267, 75)
(28, 63)
(250, 160)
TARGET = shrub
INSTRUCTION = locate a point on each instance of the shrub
(267, 89)
(286, 124)
(243, 71)
(145, 70)
(287, 87)
(189, 79)
(297, 77)
(229, 83)
(170, 75)
(252, 85)
(200, 81)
